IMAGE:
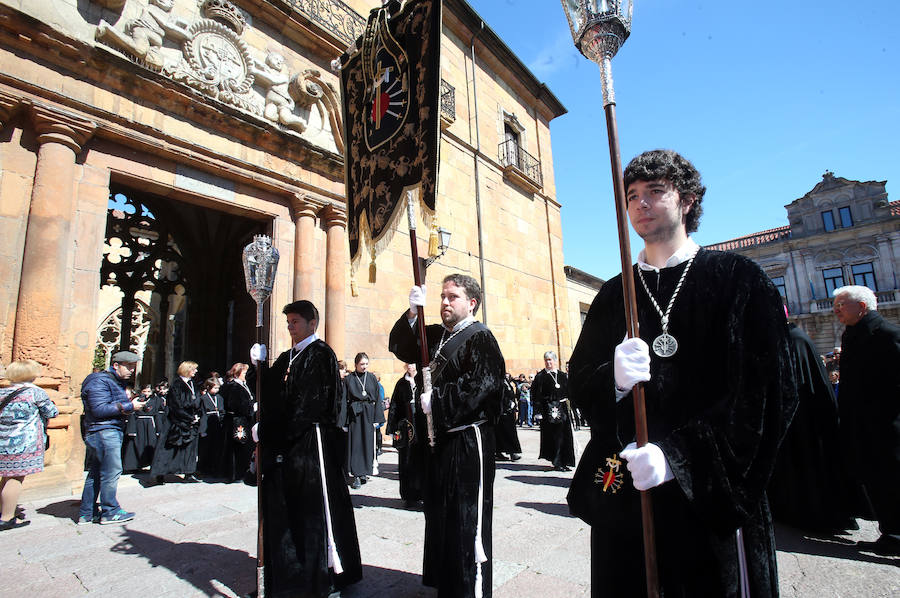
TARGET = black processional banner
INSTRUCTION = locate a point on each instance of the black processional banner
(391, 95)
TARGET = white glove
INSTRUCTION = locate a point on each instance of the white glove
(426, 402)
(648, 465)
(631, 363)
(345, 428)
(258, 353)
(416, 298)
(255, 407)
(254, 432)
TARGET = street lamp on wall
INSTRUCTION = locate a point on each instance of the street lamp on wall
(443, 246)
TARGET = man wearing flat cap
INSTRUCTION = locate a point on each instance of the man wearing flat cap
(106, 405)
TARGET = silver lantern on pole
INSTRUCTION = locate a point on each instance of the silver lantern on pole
(599, 28)
(260, 264)
(260, 260)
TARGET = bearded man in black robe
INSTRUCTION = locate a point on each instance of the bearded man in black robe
(467, 370)
(549, 397)
(310, 543)
(870, 406)
(719, 396)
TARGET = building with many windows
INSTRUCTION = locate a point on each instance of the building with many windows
(842, 232)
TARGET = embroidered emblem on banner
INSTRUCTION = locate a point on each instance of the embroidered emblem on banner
(611, 477)
(386, 75)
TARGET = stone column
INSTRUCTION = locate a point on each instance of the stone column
(42, 289)
(304, 215)
(335, 278)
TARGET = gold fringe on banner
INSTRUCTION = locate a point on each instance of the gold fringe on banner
(354, 290)
(373, 269)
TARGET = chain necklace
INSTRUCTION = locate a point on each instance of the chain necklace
(444, 342)
(665, 344)
(362, 383)
(555, 378)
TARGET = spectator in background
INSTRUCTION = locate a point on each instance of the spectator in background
(106, 405)
(870, 406)
(24, 409)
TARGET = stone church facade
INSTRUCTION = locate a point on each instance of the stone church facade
(143, 143)
(841, 232)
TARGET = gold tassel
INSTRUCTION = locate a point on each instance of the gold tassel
(433, 239)
(354, 290)
(373, 270)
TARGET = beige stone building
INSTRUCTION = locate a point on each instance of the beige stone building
(144, 142)
(841, 232)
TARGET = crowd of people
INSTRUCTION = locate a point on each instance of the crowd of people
(734, 405)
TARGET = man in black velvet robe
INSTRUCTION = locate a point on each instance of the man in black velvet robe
(310, 543)
(410, 456)
(870, 406)
(464, 403)
(809, 488)
(549, 398)
(717, 407)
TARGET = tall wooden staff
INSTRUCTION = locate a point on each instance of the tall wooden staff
(420, 321)
(260, 264)
(599, 29)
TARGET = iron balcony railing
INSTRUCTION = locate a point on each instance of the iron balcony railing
(513, 155)
(448, 101)
(332, 15)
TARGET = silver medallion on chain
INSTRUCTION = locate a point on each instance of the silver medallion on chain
(665, 344)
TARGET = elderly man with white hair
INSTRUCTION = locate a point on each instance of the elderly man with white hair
(869, 405)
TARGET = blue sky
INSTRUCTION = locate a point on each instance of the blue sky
(763, 102)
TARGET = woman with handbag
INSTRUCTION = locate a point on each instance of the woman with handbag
(23, 409)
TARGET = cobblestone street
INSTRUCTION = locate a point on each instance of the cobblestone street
(200, 540)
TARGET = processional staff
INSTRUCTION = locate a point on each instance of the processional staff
(260, 261)
(599, 28)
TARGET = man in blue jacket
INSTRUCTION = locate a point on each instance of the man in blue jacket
(106, 405)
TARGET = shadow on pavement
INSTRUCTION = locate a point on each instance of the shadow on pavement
(551, 508)
(64, 509)
(549, 480)
(364, 500)
(379, 582)
(790, 539)
(194, 562)
(388, 471)
(521, 466)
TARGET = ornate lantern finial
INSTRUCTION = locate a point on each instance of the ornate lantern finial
(260, 264)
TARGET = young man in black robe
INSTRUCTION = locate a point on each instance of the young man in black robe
(310, 542)
(719, 395)
(404, 415)
(549, 398)
(464, 403)
(869, 405)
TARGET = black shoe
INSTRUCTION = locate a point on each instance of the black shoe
(363, 479)
(190, 479)
(355, 484)
(515, 456)
(13, 523)
(500, 457)
(250, 478)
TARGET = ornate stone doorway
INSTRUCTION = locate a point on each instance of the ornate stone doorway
(172, 287)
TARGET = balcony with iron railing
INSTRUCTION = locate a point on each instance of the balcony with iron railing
(520, 167)
(333, 16)
(448, 104)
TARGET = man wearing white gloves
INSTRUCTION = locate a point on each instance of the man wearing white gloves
(719, 396)
(467, 371)
(311, 546)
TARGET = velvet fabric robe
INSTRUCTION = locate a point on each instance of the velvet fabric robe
(557, 442)
(211, 455)
(176, 452)
(141, 435)
(505, 430)
(870, 413)
(295, 535)
(718, 409)
(809, 488)
(467, 390)
(410, 457)
(363, 412)
(239, 419)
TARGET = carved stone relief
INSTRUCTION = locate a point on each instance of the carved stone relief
(213, 58)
